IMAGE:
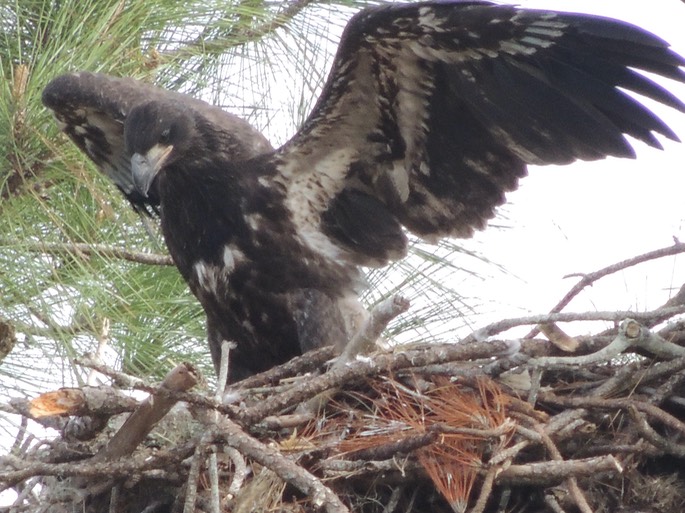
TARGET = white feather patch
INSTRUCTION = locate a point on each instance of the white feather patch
(211, 276)
(254, 220)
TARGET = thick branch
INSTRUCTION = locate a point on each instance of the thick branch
(553, 472)
(321, 496)
(151, 411)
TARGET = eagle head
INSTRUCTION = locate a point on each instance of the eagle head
(157, 133)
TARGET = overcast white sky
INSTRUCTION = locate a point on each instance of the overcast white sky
(582, 217)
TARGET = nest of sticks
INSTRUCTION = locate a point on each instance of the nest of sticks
(547, 423)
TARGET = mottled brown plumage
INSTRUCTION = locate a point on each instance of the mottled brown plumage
(431, 113)
(92, 108)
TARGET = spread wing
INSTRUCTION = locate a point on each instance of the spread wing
(433, 110)
(91, 109)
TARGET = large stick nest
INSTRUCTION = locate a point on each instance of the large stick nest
(553, 423)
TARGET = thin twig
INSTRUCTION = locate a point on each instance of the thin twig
(84, 251)
(114, 499)
(240, 470)
(213, 466)
(192, 481)
(120, 378)
(589, 279)
(485, 491)
(102, 337)
(213, 471)
(553, 503)
(226, 347)
(506, 324)
(394, 499)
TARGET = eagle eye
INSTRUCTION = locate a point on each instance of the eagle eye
(165, 136)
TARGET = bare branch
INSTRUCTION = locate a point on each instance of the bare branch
(120, 378)
(84, 251)
(630, 335)
(320, 495)
(365, 339)
(507, 324)
(615, 404)
(553, 472)
(649, 434)
(358, 369)
(151, 411)
(89, 469)
(588, 279)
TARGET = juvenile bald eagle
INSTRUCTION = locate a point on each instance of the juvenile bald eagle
(92, 108)
(430, 114)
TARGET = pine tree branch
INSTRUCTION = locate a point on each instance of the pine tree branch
(236, 36)
(85, 251)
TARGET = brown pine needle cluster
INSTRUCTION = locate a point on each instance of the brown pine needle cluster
(457, 426)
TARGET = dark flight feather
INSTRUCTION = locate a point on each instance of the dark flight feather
(430, 115)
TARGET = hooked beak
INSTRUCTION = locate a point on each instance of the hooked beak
(145, 167)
